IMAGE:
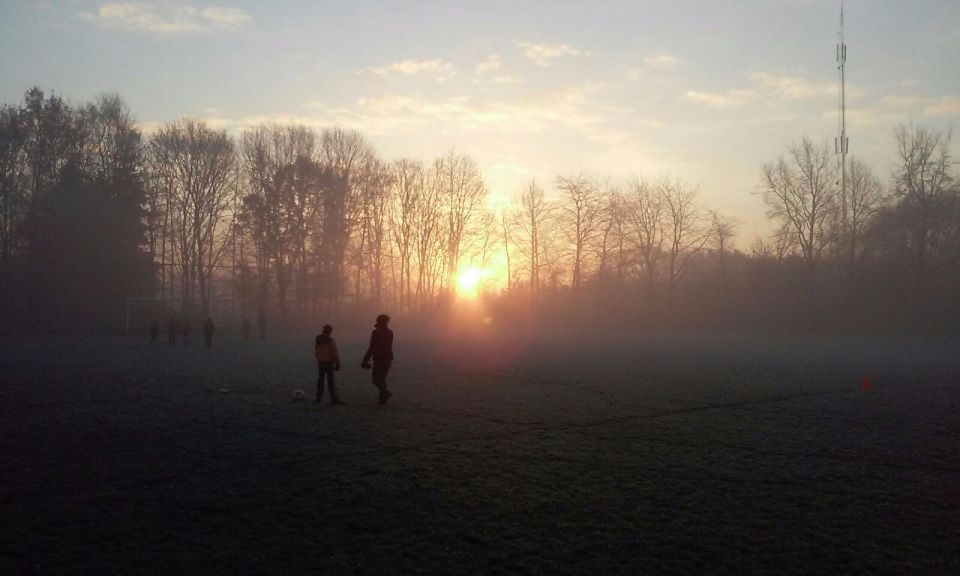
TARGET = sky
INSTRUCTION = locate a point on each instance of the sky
(703, 90)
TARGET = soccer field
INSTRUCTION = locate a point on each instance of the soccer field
(682, 453)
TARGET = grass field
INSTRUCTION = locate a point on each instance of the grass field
(563, 455)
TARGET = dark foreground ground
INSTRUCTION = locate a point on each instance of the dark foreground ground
(674, 454)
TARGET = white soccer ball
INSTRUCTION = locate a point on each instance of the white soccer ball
(298, 395)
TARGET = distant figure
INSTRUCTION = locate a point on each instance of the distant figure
(262, 324)
(172, 332)
(154, 331)
(186, 332)
(208, 332)
(328, 362)
(246, 328)
(381, 350)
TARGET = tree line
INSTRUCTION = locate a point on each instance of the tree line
(309, 224)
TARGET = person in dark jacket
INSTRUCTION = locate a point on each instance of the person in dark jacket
(186, 332)
(172, 332)
(381, 351)
(208, 332)
(262, 324)
(328, 362)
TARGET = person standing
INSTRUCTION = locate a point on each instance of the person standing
(172, 332)
(208, 332)
(328, 362)
(262, 324)
(186, 332)
(381, 351)
(154, 331)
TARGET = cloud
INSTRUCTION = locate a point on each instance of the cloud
(569, 108)
(168, 19)
(149, 127)
(218, 123)
(795, 87)
(902, 100)
(908, 83)
(491, 64)
(226, 17)
(443, 71)
(507, 80)
(545, 54)
(729, 99)
(661, 59)
(945, 106)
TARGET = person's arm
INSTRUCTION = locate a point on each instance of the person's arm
(335, 354)
(370, 350)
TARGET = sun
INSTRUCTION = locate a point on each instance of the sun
(468, 282)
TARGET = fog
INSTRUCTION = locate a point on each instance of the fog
(106, 230)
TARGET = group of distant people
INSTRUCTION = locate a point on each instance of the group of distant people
(185, 331)
(380, 351)
(379, 355)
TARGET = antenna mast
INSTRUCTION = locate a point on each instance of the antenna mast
(842, 144)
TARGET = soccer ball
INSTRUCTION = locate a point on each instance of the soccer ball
(298, 395)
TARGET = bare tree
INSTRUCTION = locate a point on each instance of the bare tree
(199, 164)
(865, 196)
(800, 191)
(353, 161)
(505, 229)
(407, 187)
(580, 211)
(378, 190)
(463, 193)
(430, 240)
(532, 220)
(646, 213)
(264, 151)
(923, 177)
(13, 194)
(617, 218)
(686, 228)
(724, 229)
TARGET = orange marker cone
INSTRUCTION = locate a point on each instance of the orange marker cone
(866, 382)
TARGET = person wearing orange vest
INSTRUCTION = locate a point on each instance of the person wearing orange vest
(328, 362)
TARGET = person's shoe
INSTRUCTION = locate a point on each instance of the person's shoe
(385, 396)
(318, 400)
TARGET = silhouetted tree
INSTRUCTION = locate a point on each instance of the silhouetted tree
(800, 191)
(923, 177)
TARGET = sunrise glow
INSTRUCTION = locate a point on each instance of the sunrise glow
(469, 281)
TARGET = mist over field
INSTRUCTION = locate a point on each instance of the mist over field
(495, 288)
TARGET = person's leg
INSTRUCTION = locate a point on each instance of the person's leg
(377, 380)
(320, 374)
(331, 383)
(380, 370)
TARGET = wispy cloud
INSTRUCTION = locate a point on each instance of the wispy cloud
(796, 87)
(545, 54)
(166, 19)
(441, 70)
(491, 64)
(661, 59)
(729, 99)
(945, 106)
(902, 100)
